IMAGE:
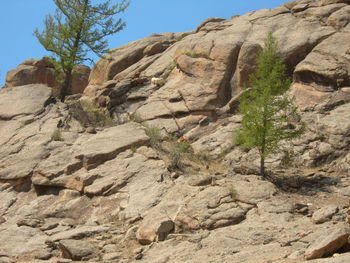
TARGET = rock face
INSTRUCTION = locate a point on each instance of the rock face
(34, 71)
(329, 244)
(324, 214)
(214, 64)
(75, 249)
(165, 183)
(32, 102)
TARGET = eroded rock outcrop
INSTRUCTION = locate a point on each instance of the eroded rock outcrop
(125, 193)
(204, 70)
(32, 71)
(41, 71)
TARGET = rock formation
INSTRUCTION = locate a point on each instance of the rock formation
(163, 182)
(34, 71)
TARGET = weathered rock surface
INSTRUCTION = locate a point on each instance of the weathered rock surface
(330, 244)
(324, 214)
(105, 195)
(88, 152)
(331, 71)
(76, 249)
(127, 56)
(23, 100)
(34, 71)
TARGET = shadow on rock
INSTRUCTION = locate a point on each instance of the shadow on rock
(305, 184)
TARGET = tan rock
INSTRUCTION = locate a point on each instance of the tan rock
(32, 72)
(348, 217)
(322, 12)
(80, 232)
(326, 67)
(336, 125)
(337, 258)
(200, 180)
(168, 125)
(246, 64)
(299, 7)
(217, 142)
(80, 184)
(22, 134)
(189, 122)
(13, 244)
(23, 100)
(76, 249)
(155, 48)
(209, 209)
(209, 20)
(31, 222)
(329, 2)
(89, 151)
(330, 244)
(154, 229)
(80, 77)
(125, 56)
(324, 214)
(340, 18)
(91, 130)
(153, 110)
(306, 96)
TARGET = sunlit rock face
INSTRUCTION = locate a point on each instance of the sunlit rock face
(142, 165)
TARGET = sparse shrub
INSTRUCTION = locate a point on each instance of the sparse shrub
(224, 152)
(56, 135)
(175, 160)
(133, 148)
(171, 65)
(233, 194)
(179, 38)
(192, 53)
(288, 157)
(99, 116)
(172, 138)
(203, 156)
(90, 115)
(178, 151)
(184, 147)
(155, 136)
(168, 70)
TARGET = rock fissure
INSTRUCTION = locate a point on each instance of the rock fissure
(226, 81)
(211, 47)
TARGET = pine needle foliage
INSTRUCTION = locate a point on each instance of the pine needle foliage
(77, 27)
(269, 114)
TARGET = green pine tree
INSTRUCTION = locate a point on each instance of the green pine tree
(268, 112)
(76, 28)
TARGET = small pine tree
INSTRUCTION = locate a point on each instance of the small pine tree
(266, 108)
(78, 27)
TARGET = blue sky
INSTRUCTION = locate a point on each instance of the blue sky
(19, 18)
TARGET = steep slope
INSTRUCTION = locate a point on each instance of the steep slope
(165, 183)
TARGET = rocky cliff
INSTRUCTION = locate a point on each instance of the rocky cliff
(160, 180)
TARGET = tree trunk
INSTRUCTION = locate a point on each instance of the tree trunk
(262, 165)
(263, 149)
(66, 84)
(68, 74)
